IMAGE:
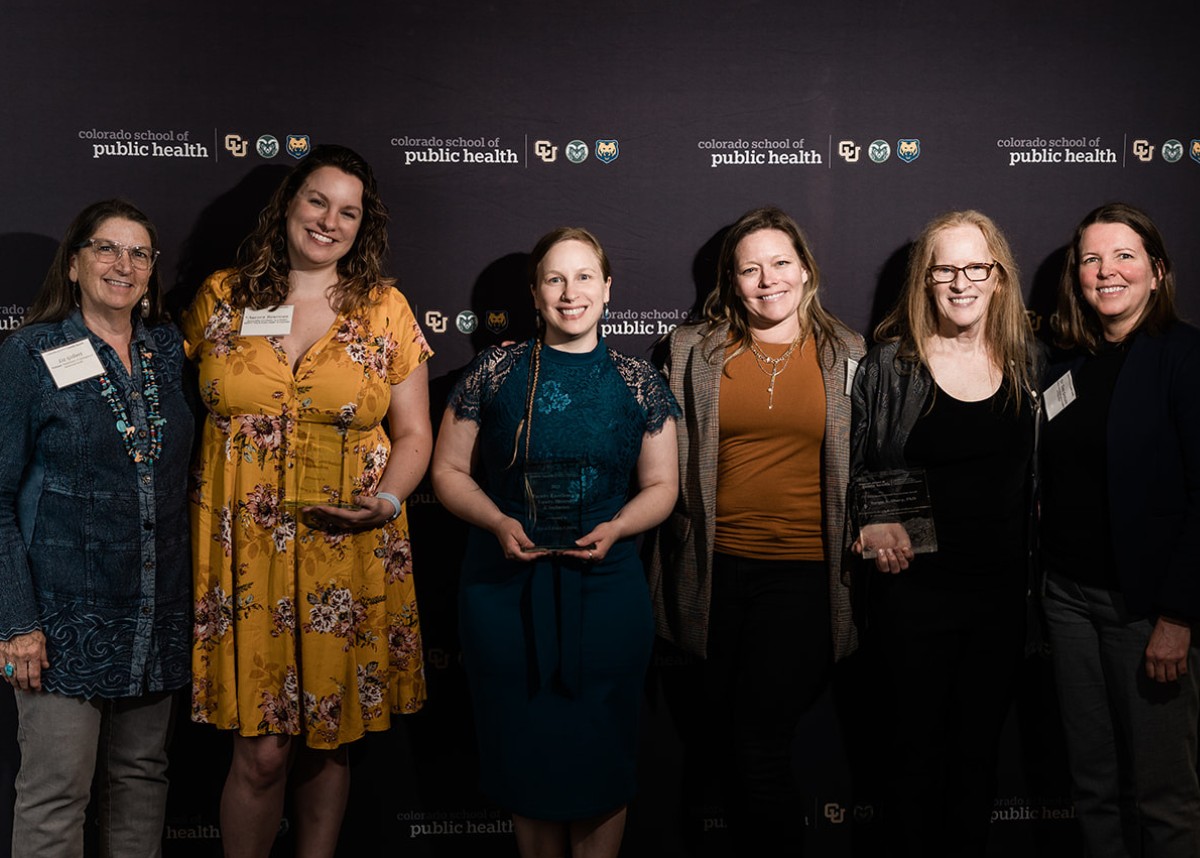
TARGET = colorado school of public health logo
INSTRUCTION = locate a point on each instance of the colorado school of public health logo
(908, 149)
(1171, 151)
(267, 146)
(577, 151)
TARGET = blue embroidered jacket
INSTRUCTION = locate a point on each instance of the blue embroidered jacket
(93, 546)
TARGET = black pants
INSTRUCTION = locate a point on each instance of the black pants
(769, 659)
(949, 659)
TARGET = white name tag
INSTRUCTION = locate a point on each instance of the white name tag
(851, 371)
(72, 363)
(1059, 395)
(271, 322)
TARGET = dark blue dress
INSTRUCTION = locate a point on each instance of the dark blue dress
(556, 650)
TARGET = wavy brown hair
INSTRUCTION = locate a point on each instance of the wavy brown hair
(262, 271)
(1075, 323)
(724, 306)
(59, 295)
(1007, 331)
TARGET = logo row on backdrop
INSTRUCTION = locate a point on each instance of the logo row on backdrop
(739, 152)
(906, 149)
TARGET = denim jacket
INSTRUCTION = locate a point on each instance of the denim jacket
(94, 547)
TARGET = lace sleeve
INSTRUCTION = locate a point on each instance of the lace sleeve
(481, 380)
(649, 388)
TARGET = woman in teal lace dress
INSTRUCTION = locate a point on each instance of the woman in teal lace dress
(556, 638)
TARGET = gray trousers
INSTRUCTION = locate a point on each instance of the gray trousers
(1131, 741)
(65, 742)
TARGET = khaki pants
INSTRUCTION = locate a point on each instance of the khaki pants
(65, 742)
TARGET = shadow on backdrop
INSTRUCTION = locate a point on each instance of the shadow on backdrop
(219, 230)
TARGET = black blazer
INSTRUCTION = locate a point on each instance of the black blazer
(1154, 472)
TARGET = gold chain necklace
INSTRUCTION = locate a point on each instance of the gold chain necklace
(772, 367)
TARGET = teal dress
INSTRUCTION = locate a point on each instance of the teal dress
(555, 649)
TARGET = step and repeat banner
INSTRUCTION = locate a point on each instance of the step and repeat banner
(655, 125)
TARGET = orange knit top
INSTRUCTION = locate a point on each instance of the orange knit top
(769, 459)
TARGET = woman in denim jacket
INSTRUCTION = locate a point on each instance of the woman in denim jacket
(94, 560)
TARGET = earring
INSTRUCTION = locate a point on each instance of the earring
(145, 306)
(607, 315)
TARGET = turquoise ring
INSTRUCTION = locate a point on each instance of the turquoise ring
(10, 669)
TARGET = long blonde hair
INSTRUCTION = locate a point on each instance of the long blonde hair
(1007, 331)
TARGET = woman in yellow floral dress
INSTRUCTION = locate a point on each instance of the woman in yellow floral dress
(306, 632)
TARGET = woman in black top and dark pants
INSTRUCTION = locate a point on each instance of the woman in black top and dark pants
(1120, 514)
(950, 392)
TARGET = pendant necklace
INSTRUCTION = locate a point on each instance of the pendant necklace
(773, 367)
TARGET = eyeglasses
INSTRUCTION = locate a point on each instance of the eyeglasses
(976, 272)
(141, 258)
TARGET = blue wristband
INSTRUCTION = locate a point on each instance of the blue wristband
(393, 500)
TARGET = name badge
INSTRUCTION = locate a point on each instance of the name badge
(851, 371)
(271, 322)
(1059, 395)
(72, 363)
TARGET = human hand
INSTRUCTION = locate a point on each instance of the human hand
(594, 546)
(27, 654)
(1167, 651)
(513, 541)
(371, 512)
(888, 544)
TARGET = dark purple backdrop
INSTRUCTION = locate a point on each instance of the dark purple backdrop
(1032, 112)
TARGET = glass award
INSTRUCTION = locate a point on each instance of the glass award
(322, 478)
(554, 503)
(893, 510)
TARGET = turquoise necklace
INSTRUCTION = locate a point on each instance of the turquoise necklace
(125, 427)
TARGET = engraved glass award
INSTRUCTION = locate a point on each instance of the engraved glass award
(893, 511)
(322, 476)
(554, 503)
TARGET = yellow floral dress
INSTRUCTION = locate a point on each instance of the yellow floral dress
(297, 630)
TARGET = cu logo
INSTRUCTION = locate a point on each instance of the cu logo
(835, 813)
(435, 321)
(1143, 150)
(236, 145)
(545, 150)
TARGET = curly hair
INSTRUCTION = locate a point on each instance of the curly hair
(59, 297)
(1075, 324)
(261, 278)
(724, 305)
(1007, 330)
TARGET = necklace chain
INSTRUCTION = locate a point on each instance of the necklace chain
(773, 367)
